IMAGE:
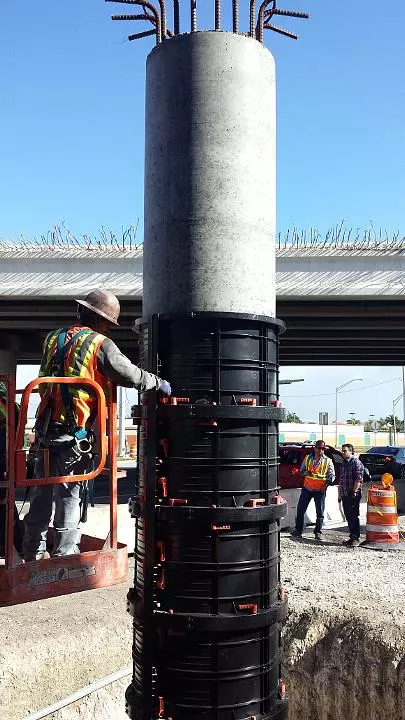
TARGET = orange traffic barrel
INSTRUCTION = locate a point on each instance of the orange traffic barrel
(133, 449)
(382, 517)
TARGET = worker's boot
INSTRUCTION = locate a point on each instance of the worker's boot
(296, 534)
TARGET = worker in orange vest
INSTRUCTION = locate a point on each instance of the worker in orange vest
(66, 415)
(319, 472)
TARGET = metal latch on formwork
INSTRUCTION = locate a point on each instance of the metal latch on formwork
(135, 507)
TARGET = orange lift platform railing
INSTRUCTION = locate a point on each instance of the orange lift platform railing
(101, 562)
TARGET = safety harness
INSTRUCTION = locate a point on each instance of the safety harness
(57, 370)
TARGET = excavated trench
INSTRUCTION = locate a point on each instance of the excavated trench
(344, 640)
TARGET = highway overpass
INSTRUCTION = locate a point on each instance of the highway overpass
(343, 304)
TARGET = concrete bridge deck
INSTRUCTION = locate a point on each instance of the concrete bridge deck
(341, 305)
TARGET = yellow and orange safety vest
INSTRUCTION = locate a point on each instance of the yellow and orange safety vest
(315, 477)
(80, 360)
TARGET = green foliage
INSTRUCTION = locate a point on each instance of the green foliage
(293, 418)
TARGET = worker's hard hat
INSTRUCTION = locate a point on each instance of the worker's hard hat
(387, 479)
(104, 303)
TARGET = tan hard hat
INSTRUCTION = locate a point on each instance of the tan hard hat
(102, 302)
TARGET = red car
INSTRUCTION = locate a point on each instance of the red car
(291, 457)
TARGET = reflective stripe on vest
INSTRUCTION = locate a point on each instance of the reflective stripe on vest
(80, 360)
(315, 479)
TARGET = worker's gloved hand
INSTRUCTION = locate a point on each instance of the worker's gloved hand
(164, 387)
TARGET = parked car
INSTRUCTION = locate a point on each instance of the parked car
(291, 480)
(291, 457)
(384, 458)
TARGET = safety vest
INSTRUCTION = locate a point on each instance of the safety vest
(80, 360)
(3, 404)
(315, 479)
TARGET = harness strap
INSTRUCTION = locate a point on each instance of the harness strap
(58, 369)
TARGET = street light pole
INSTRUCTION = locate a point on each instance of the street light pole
(403, 397)
(396, 433)
(336, 404)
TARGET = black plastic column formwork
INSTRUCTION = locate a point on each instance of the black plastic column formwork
(206, 601)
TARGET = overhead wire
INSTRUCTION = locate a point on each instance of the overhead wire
(357, 389)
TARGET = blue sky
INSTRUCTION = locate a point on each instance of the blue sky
(72, 135)
(71, 124)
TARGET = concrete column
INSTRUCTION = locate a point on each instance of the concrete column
(210, 176)
(9, 350)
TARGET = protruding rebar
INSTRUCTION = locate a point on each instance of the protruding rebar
(252, 11)
(138, 36)
(146, 4)
(260, 21)
(266, 16)
(193, 8)
(235, 15)
(256, 27)
(287, 13)
(176, 16)
(142, 16)
(162, 6)
(281, 31)
(218, 12)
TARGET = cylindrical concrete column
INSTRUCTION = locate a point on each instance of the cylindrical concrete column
(210, 185)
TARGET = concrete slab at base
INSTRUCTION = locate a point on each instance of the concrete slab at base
(105, 704)
(51, 648)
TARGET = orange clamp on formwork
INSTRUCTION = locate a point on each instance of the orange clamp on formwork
(164, 444)
(162, 485)
(161, 547)
(247, 608)
(220, 528)
(281, 690)
(281, 594)
(247, 401)
(256, 502)
(161, 708)
(276, 403)
(161, 580)
(172, 502)
(277, 500)
(175, 400)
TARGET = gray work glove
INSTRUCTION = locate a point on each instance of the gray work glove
(164, 387)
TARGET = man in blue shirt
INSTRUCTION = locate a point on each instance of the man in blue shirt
(350, 486)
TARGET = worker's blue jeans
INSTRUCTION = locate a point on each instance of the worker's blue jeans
(64, 459)
(318, 496)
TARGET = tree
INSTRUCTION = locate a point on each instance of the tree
(353, 421)
(384, 424)
(293, 418)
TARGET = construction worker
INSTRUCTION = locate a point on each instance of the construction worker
(318, 473)
(66, 415)
(18, 531)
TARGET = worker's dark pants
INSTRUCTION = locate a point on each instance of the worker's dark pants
(18, 527)
(64, 459)
(351, 509)
(318, 496)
